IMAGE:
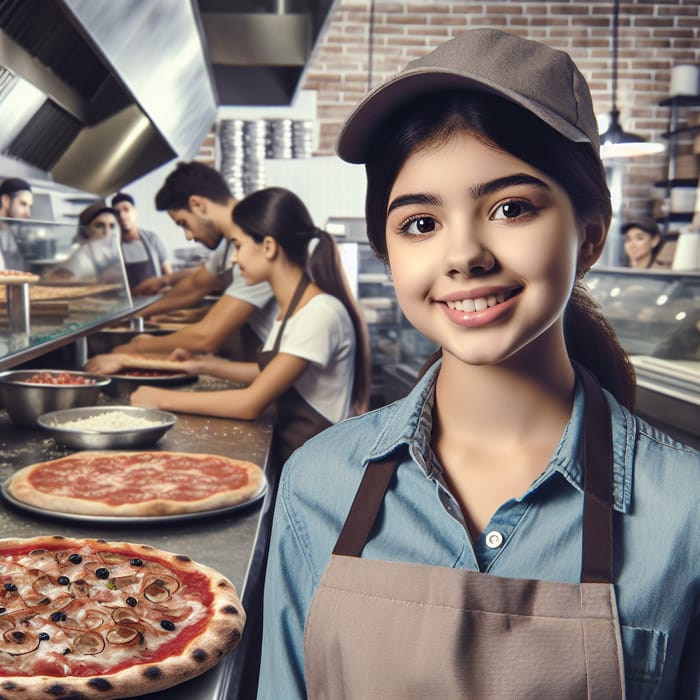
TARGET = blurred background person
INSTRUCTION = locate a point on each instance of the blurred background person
(145, 255)
(642, 243)
(16, 201)
(97, 257)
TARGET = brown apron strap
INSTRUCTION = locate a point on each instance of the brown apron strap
(365, 507)
(298, 292)
(597, 555)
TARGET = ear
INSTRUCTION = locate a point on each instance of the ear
(197, 204)
(270, 247)
(593, 241)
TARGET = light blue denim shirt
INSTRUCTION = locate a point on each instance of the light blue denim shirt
(656, 550)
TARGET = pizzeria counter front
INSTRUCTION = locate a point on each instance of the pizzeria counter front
(223, 540)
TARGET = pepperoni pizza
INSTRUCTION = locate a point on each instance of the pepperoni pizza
(136, 483)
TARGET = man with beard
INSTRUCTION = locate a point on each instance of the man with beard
(16, 201)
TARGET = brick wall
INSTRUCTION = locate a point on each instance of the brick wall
(652, 37)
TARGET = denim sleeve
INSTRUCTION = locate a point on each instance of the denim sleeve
(289, 588)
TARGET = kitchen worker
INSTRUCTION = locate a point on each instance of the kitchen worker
(145, 254)
(642, 243)
(16, 201)
(198, 199)
(509, 529)
(96, 259)
(204, 224)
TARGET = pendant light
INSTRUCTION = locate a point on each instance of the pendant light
(615, 142)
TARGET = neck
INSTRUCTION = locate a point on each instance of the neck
(284, 282)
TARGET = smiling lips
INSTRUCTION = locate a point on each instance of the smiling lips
(480, 303)
(481, 308)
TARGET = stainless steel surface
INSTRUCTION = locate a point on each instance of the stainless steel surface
(56, 424)
(18, 307)
(110, 120)
(26, 401)
(223, 542)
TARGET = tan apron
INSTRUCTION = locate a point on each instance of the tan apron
(379, 629)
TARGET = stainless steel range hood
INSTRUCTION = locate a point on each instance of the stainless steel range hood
(96, 93)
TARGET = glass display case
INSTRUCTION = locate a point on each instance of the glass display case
(65, 299)
(656, 316)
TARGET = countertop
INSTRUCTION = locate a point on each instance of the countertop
(223, 542)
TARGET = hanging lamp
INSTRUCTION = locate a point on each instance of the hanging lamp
(615, 142)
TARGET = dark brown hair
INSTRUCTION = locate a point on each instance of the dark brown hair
(576, 167)
(279, 213)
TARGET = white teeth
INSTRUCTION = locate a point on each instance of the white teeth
(478, 304)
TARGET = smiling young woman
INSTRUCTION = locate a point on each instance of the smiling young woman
(511, 494)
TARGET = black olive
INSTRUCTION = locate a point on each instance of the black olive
(102, 572)
(2, 610)
(63, 580)
(10, 587)
(43, 636)
(66, 651)
(58, 616)
(131, 601)
(75, 558)
(19, 636)
(167, 625)
(136, 562)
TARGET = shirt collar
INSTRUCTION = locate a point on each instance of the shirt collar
(409, 427)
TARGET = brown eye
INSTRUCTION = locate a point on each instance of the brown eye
(419, 225)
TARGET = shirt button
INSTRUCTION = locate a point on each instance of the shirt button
(494, 539)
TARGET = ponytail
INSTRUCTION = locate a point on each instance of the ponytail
(326, 271)
(592, 342)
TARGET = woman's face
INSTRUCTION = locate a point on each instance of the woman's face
(483, 249)
(250, 256)
(639, 246)
(102, 226)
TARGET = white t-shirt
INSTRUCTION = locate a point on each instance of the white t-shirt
(220, 258)
(261, 297)
(322, 332)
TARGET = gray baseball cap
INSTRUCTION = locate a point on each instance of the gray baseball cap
(541, 79)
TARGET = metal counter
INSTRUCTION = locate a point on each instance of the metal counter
(224, 542)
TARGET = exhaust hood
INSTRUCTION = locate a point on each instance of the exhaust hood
(96, 93)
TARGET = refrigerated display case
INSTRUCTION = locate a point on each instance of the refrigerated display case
(656, 316)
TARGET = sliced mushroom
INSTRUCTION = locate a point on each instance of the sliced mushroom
(170, 583)
(156, 592)
(79, 588)
(113, 557)
(89, 643)
(123, 635)
(124, 615)
(16, 642)
(92, 619)
(43, 584)
(122, 582)
(6, 623)
(33, 601)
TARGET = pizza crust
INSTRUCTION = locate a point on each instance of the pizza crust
(160, 469)
(134, 361)
(17, 277)
(218, 636)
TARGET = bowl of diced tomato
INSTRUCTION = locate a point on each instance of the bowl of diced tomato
(26, 394)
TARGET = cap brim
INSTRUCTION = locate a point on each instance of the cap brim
(368, 117)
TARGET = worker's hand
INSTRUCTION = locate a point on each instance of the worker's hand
(109, 363)
(133, 345)
(148, 397)
(152, 285)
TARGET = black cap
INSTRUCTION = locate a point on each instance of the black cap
(646, 224)
(13, 185)
(94, 210)
(123, 197)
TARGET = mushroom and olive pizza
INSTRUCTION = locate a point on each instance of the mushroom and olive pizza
(137, 484)
(86, 618)
(17, 277)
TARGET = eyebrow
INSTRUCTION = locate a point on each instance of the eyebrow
(476, 191)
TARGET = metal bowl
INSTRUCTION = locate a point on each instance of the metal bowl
(25, 401)
(106, 439)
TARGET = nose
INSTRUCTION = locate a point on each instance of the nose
(467, 253)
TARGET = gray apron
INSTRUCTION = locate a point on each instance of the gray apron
(378, 629)
(137, 272)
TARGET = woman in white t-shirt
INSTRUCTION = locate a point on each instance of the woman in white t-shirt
(315, 363)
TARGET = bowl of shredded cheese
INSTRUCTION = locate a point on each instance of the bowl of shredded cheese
(107, 427)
